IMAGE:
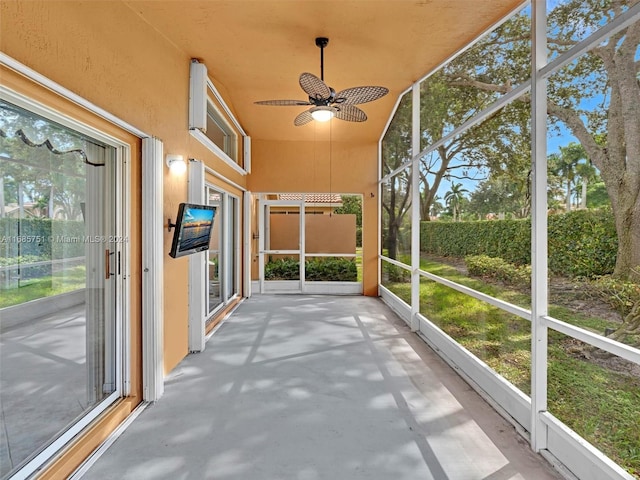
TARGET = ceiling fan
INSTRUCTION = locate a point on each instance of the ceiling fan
(325, 102)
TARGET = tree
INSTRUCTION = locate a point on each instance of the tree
(597, 97)
(597, 195)
(586, 174)
(609, 71)
(564, 165)
(396, 198)
(500, 142)
(453, 199)
(51, 181)
(351, 204)
(436, 206)
(499, 194)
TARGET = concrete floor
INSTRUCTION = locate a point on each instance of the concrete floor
(315, 388)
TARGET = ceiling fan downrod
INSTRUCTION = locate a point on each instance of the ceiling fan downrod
(322, 42)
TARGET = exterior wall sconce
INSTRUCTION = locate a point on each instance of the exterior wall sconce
(176, 164)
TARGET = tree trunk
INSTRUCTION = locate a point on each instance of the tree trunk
(627, 218)
(392, 240)
(583, 198)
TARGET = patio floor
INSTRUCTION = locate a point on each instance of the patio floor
(318, 387)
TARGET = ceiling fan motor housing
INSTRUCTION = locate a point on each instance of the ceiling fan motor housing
(322, 42)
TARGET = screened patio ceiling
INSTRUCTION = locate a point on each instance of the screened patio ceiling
(258, 49)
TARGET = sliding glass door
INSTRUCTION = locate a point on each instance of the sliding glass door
(223, 254)
(63, 254)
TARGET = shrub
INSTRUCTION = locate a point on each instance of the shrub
(618, 294)
(331, 270)
(392, 273)
(282, 269)
(582, 243)
(47, 238)
(328, 269)
(497, 268)
(5, 262)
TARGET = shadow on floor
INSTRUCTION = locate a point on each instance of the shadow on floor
(318, 387)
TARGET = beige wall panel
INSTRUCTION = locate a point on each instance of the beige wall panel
(323, 233)
(330, 233)
(284, 232)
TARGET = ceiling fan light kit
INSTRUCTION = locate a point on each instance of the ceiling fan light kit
(324, 101)
(322, 114)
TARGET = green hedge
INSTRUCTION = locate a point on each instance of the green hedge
(319, 269)
(41, 237)
(581, 243)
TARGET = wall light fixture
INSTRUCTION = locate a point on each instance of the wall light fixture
(176, 163)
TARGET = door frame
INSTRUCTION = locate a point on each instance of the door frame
(264, 230)
(287, 286)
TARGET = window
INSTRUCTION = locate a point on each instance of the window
(213, 124)
(220, 132)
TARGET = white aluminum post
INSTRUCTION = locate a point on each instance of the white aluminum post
(415, 207)
(539, 293)
(262, 234)
(247, 237)
(302, 246)
(198, 265)
(152, 269)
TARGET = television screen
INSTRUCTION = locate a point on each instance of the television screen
(193, 229)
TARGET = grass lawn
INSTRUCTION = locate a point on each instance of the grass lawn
(600, 404)
(67, 281)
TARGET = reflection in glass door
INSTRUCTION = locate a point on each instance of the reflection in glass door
(222, 256)
(214, 256)
(62, 258)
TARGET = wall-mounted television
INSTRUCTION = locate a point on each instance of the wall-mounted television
(192, 229)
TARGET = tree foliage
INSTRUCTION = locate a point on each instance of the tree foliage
(53, 184)
(596, 97)
(396, 199)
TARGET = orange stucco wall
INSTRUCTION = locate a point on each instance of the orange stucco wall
(107, 54)
(322, 167)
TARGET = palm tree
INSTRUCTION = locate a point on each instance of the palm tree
(564, 164)
(454, 197)
(586, 172)
(436, 206)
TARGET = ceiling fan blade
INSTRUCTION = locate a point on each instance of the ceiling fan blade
(282, 103)
(314, 87)
(350, 113)
(358, 95)
(302, 119)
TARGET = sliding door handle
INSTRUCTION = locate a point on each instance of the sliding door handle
(107, 264)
